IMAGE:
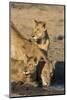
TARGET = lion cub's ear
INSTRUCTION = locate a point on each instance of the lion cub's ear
(36, 22)
(44, 25)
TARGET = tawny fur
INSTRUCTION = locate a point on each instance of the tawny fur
(47, 73)
(40, 32)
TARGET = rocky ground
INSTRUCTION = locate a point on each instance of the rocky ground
(22, 15)
(26, 90)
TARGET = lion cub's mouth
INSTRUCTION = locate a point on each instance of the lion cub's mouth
(39, 41)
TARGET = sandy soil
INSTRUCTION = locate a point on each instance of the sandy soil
(23, 16)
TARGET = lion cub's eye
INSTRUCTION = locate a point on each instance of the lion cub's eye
(44, 25)
(37, 29)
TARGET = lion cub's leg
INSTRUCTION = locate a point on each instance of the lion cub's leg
(47, 73)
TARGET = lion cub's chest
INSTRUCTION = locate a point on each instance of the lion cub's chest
(42, 42)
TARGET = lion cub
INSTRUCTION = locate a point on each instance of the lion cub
(40, 35)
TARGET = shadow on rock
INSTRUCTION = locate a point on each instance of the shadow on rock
(59, 73)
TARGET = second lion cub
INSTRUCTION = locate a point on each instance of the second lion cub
(40, 35)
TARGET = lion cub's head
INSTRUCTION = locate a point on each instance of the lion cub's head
(39, 29)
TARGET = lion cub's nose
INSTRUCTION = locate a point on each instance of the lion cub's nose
(34, 37)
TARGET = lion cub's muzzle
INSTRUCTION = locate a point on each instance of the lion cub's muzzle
(38, 40)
